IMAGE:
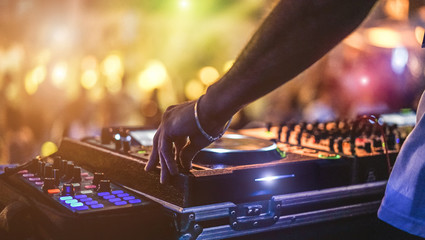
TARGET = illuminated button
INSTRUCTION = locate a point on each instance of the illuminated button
(89, 178)
(133, 201)
(120, 203)
(129, 198)
(28, 175)
(114, 200)
(123, 195)
(71, 201)
(97, 206)
(101, 194)
(23, 171)
(90, 187)
(39, 183)
(86, 199)
(80, 196)
(81, 208)
(117, 192)
(86, 192)
(34, 179)
(76, 185)
(65, 198)
(109, 197)
(84, 174)
(53, 191)
(76, 204)
(92, 202)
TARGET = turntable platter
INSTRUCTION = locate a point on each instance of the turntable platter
(235, 149)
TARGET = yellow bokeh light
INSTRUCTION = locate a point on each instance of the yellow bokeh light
(39, 74)
(154, 76)
(59, 74)
(397, 9)
(113, 84)
(112, 66)
(208, 75)
(48, 148)
(228, 65)
(43, 57)
(384, 37)
(89, 79)
(31, 86)
(184, 4)
(194, 89)
(419, 34)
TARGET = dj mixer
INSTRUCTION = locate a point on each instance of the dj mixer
(250, 181)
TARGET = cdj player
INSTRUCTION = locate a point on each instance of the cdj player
(250, 181)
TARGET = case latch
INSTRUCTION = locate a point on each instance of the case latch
(255, 215)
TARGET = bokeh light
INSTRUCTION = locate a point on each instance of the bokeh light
(208, 75)
(153, 76)
(89, 79)
(384, 37)
(194, 89)
(48, 148)
(59, 74)
(228, 65)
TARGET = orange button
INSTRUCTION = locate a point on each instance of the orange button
(53, 191)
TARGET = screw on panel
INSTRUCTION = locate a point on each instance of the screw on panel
(233, 212)
(277, 206)
(234, 224)
(255, 224)
(187, 236)
(275, 217)
(196, 226)
(192, 216)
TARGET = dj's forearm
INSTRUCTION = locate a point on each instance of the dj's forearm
(295, 35)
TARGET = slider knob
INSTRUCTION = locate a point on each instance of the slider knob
(68, 189)
(97, 177)
(49, 183)
(48, 171)
(76, 175)
(104, 186)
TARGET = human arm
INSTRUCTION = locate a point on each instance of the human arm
(294, 36)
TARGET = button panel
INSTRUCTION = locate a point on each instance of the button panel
(80, 194)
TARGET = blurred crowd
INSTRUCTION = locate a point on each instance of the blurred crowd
(128, 62)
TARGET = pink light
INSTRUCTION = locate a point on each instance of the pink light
(364, 81)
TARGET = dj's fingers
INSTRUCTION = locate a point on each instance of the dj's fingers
(164, 170)
(179, 144)
(166, 154)
(187, 154)
(154, 158)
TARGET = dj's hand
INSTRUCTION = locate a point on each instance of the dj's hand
(177, 140)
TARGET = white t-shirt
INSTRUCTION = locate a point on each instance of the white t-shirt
(403, 205)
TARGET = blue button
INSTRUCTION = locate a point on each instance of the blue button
(92, 203)
(128, 198)
(80, 196)
(117, 192)
(77, 204)
(71, 201)
(85, 199)
(135, 201)
(81, 208)
(97, 206)
(109, 197)
(120, 203)
(115, 200)
(123, 195)
(101, 194)
(65, 198)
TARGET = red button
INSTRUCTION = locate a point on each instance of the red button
(90, 187)
(53, 191)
